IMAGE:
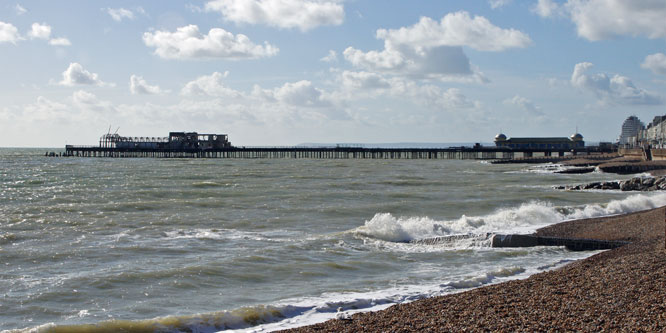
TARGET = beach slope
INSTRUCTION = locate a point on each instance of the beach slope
(618, 290)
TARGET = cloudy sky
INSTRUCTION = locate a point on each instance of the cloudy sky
(284, 72)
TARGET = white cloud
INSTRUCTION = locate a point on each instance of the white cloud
(363, 81)
(656, 63)
(87, 101)
(524, 104)
(141, 11)
(139, 86)
(8, 33)
(616, 89)
(548, 8)
(77, 75)
(301, 14)
(301, 93)
(434, 97)
(494, 4)
(210, 85)
(604, 19)
(41, 31)
(118, 14)
(456, 29)
(44, 109)
(290, 97)
(188, 43)
(359, 85)
(332, 56)
(20, 10)
(60, 42)
(431, 49)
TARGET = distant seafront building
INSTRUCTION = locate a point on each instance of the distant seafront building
(634, 133)
(631, 127)
(574, 141)
(655, 132)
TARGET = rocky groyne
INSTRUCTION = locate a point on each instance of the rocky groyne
(633, 184)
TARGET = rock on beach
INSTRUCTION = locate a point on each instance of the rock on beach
(633, 184)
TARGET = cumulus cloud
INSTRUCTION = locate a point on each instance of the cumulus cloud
(524, 104)
(20, 10)
(358, 85)
(363, 81)
(656, 63)
(434, 49)
(456, 29)
(301, 14)
(210, 85)
(332, 56)
(118, 14)
(547, 8)
(139, 86)
(60, 42)
(494, 4)
(604, 19)
(87, 101)
(77, 75)
(41, 31)
(615, 89)
(45, 109)
(8, 33)
(301, 93)
(188, 43)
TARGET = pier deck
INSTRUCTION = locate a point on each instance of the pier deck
(482, 153)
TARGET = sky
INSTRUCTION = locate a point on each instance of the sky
(285, 72)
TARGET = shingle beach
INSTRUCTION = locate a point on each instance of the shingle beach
(617, 290)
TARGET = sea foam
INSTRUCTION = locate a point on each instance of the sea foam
(522, 219)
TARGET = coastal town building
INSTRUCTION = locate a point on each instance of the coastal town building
(654, 133)
(630, 129)
(564, 143)
(635, 134)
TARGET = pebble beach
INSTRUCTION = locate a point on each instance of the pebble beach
(617, 290)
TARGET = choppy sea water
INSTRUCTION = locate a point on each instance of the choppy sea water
(211, 244)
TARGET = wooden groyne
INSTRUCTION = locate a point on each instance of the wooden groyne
(515, 240)
(572, 244)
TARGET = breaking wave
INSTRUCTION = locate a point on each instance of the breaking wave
(522, 219)
(294, 313)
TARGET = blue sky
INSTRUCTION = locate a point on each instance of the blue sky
(283, 72)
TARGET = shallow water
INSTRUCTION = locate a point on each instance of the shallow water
(209, 244)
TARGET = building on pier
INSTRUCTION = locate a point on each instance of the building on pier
(555, 143)
(175, 140)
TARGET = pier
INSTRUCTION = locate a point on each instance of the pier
(460, 153)
(195, 145)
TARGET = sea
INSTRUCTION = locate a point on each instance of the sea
(256, 245)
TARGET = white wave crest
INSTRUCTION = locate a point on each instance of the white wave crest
(522, 219)
(485, 278)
